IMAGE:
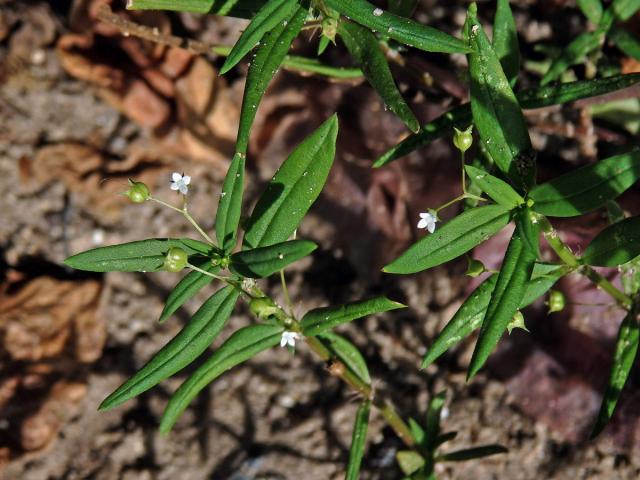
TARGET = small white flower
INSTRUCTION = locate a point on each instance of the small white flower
(428, 220)
(180, 182)
(289, 338)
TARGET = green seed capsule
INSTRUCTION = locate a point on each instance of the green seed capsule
(475, 268)
(330, 28)
(463, 139)
(557, 301)
(517, 322)
(262, 307)
(138, 192)
(175, 260)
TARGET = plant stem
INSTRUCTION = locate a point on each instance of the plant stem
(184, 211)
(287, 298)
(464, 177)
(460, 198)
(568, 257)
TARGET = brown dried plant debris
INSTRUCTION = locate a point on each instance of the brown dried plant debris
(50, 330)
(162, 87)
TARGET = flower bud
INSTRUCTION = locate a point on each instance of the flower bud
(463, 139)
(517, 322)
(138, 192)
(557, 301)
(263, 307)
(175, 260)
(475, 268)
(330, 28)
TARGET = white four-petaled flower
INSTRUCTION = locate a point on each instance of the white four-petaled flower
(180, 182)
(289, 338)
(428, 220)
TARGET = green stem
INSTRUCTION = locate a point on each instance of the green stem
(568, 257)
(464, 177)
(188, 216)
(460, 198)
(287, 298)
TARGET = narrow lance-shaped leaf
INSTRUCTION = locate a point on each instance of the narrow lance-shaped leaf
(624, 9)
(498, 190)
(273, 13)
(186, 288)
(592, 9)
(358, 440)
(320, 320)
(505, 299)
(436, 404)
(265, 261)
(623, 360)
(505, 40)
(617, 244)
(625, 41)
(230, 205)
(573, 53)
(270, 54)
(183, 349)
(140, 256)
(460, 116)
(473, 453)
(293, 188)
(229, 8)
(365, 49)
(588, 187)
(401, 29)
(240, 347)
(496, 112)
(530, 230)
(471, 313)
(347, 353)
(453, 239)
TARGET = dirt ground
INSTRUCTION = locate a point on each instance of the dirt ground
(83, 108)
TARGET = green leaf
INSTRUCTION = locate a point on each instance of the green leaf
(573, 53)
(186, 288)
(365, 49)
(623, 360)
(270, 54)
(544, 276)
(498, 190)
(460, 116)
(468, 318)
(230, 205)
(409, 461)
(293, 189)
(433, 420)
(505, 299)
(445, 437)
(347, 353)
(471, 313)
(572, 91)
(505, 40)
(417, 432)
(617, 244)
(530, 231)
(358, 441)
(587, 188)
(183, 349)
(496, 112)
(624, 9)
(626, 41)
(140, 256)
(265, 261)
(455, 238)
(240, 347)
(592, 9)
(230, 8)
(320, 320)
(273, 13)
(473, 453)
(401, 29)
